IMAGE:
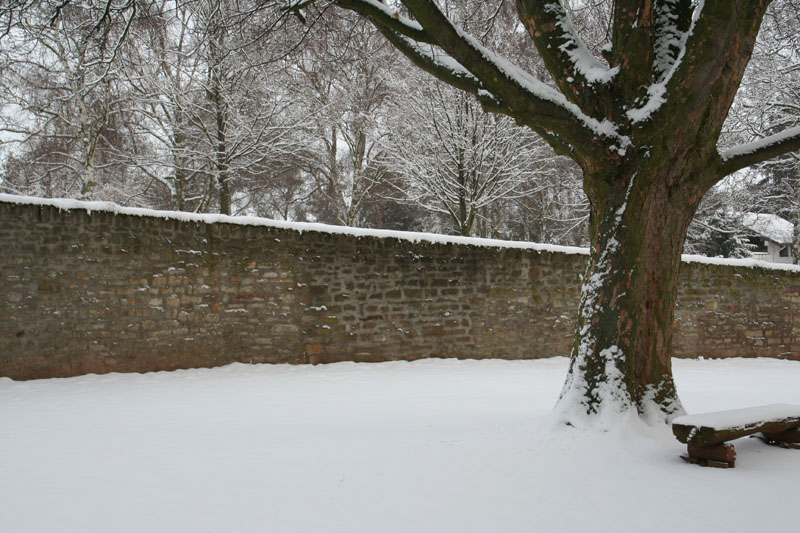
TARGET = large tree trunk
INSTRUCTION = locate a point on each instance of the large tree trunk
(621, 359)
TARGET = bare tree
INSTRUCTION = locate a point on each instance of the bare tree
(345, 76)
(213, 115)
(556, 212)
(161, 68)
(245, 121)
(63, 100)
(457, 160)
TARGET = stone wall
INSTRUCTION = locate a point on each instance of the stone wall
(103, 291)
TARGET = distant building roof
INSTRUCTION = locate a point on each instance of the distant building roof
(772, 227)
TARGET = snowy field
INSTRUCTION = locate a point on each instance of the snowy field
(429, 446)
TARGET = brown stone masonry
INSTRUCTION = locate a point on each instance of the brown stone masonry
(84, 292)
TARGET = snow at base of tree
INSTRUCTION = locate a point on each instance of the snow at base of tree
(600, 400)
(67, 204)
(429, 446)
(613, 406)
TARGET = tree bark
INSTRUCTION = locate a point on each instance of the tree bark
(622, 351)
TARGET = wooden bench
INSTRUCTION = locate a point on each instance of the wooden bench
(707, 435)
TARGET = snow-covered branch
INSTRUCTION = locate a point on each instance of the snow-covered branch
(502, 86)
(760, 150)
(571, 64)
(389, 18)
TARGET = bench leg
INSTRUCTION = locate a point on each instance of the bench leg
(720, 455)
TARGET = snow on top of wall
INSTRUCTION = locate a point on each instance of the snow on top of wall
(772, 227)
(749, 263)
(208, 218)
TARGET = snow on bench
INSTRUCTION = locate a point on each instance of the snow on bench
(706, 435)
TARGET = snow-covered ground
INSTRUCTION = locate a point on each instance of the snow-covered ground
(429, 446)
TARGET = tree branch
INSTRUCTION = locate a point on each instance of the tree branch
(721, 41)
(388, 18)
(442, 67)
(751, 153)
(458, 45)
(565, 55)
(632, 42)
(672, 22)
(527, 99)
